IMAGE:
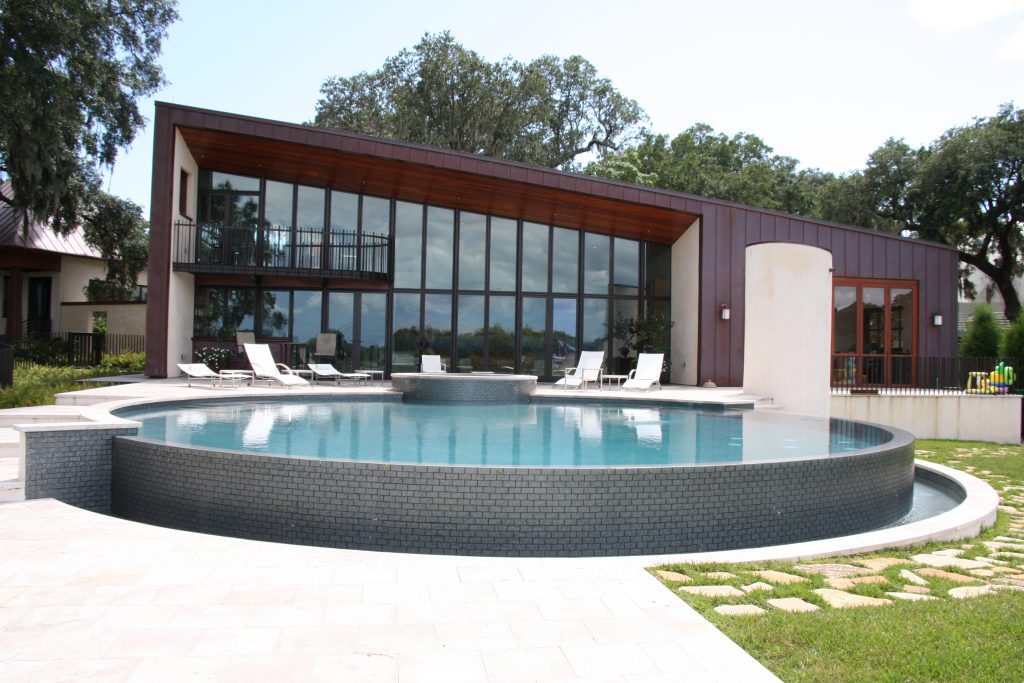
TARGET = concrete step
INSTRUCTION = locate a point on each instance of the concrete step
(34, 414)
(9, 442)
(12, 490)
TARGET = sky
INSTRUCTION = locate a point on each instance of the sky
(823, 82)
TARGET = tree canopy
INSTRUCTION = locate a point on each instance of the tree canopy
(71, 72)
(115, 226)
(549, 111)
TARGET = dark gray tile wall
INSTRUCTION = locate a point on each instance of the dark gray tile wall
(72, 466)
(420, 387)
(509, 511)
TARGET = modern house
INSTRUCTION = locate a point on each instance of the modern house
(288, 231)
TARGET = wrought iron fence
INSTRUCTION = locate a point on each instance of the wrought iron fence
(924, 375)
(6, 365)
(79, 349)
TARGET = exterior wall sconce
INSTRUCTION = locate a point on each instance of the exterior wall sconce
(726, 313)
(937, 320)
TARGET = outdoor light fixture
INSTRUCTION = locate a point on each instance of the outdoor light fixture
(726, 313)
(937, 320)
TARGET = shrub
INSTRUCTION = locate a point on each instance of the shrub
(1013, 343)
(35, 385)
(127, 363)
(213, 356)
(981, 340)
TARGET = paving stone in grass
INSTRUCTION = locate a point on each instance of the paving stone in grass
(1007, 554)
(1008, 539)
(673, 576)
(910, 596)
(1003, 587)
(964, 592)
(712, 591)
(1001, 545)
(740, 610)
(839, 583)
(869, 579)
(949, 552)
(910, 576)
(943, 561)
(1006, 570)
(793, 605)
(985, 573)
(877, 564)
(842, 599)
(832, 569)
(1009, 581)
(949, 576)
(757, 586)
(778, 577)
(920, 590)
(720, 576)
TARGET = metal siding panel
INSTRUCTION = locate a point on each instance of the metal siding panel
(878, 257)
(737, 297)
(708, 329)
(723, 237)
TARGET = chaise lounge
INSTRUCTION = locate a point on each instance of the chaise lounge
(198, 371)
(587, 370)
(326, 371)
(647, 372)
(264, 367)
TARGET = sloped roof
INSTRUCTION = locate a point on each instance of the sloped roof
(39, 235)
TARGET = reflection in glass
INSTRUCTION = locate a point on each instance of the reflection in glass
(595, 326)
(376, 216)
(627, 267)
(845, 306)
(472, 250)
(622, 310)
(344, 212)
(406, 335)
(503, 255)
(408, 245)
(534, 327)
(901, 325)
(372, 330)
(215, 180)
(437, 326)
(501, 343)
(222, 311)
(874, 319)
(277, 222)
(309, 226)
(470, 342)
(341, 320)
(274, 313)
(535, 258)
(659, 269)
(565, 261)
(306, 306)
(597, 252)
(440, 240)
(563, 335)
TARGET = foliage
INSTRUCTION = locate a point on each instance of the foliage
(36, 385)
(71, 72)
(41, 351)
(981, 340)
(128, 363)
(546, 112)
(213, 356)
(1013, 343)
(644, 334)
(115, 227)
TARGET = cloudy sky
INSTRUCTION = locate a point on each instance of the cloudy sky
(824, 82)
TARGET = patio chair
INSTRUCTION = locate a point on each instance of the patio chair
(587, 370)
(326, 346)
(265, 368)
(243, 338)
(432, 365)
(646, 373)
(322, 371)
(197, 371)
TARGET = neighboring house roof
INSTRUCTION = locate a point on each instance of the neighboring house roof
(39, 236)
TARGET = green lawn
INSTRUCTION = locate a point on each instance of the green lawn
(976, 639)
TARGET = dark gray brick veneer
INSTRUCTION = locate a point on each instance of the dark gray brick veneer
(510, 511)
(71, 465)
(461, 387)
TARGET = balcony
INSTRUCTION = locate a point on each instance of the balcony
(280, 251)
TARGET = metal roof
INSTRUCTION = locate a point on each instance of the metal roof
(39, 236)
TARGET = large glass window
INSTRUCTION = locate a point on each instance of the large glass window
(437, 326)
(535, 257)
(440, 241)
(873, 332)
(624, 312)
(306, 309)
(627, 267)
(470, 343)
(408, 245)
(659, 270)
(344, 225)
(309, 226)
(503, 255)
(221, 311)
(596, 263)
(534, 331)
(565, 261)
(406, 333)
(275, 310)
(229, 208)
(376, 216)
(472, 250)
(501, 333)
(845, 316)
(563, 335)
(341, 321)
(277, 220)
(372, 330)
(595, 325)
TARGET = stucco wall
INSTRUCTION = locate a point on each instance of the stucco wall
(968, 418)
(122, 318)
(685, 305)
(181, 298)
(787, 343)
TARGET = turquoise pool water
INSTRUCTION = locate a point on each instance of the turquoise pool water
(503, 434)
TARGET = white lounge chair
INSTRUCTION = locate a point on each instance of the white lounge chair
(588, 369)
(264, 367)
(646, 373)
(199, 371)
(322, 371)
(432, 365)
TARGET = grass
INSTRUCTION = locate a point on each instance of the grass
(35, 385)
(978, 639)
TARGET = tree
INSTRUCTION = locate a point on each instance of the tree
(70, 74)
(1013, 343)
(982, 338)
(115, 227)
(548, 112)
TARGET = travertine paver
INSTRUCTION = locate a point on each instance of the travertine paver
(1008, 554)
(1009, 539)
(777, 576)
(920, 590)
(910, 576)
(1006, 570)
(843, 600)
(712, 591)
(909, 596)
(1000, 545)
(1004, 587)
(876, 578)
(944, 561)
(832, 569)
(1009, 581)
(963, 592)
(673, 576)
(984, 573)
(757, 586)
(740, 610)
(839, 583)
(793, 605)
(720, 576)
(950, 552)
(879, 563)
(949, 576)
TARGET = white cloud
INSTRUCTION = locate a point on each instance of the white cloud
(1012, 49)
(943, 17)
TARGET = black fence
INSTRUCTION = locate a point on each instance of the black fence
(80, 349)
(6, 365)
(925, 375)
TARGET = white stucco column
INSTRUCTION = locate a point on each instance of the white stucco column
(788, 326)
(685, 306)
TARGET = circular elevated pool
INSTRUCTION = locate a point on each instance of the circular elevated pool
(538, 478)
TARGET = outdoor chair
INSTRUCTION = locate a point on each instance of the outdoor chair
(322, 371)
(197, 371)
(265, 368)
(587, 370)
(432, 365)
(647, 372)
(243, 338)
(326, 347)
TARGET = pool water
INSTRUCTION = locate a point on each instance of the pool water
(504, 434)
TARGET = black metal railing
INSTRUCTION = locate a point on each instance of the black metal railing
(925, 375)
(283, 251)
(80, 349)
(6, 365)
